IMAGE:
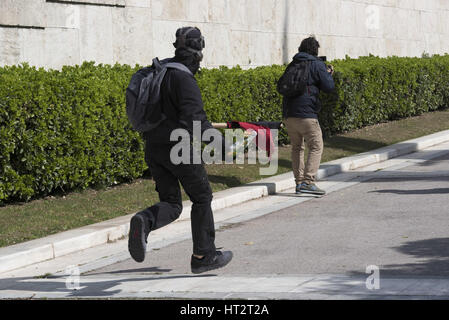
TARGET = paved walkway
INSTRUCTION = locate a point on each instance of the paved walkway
(392, 215)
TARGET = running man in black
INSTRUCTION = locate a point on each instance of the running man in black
(182, 104)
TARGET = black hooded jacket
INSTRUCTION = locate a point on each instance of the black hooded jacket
(181, 103)
(308, 105)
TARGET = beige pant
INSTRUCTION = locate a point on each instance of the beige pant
(305, 132)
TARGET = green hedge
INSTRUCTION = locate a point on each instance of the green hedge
(66, 130)
(371, 90)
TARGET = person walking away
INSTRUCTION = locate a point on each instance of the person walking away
(300, 115)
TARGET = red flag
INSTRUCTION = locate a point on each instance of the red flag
(263, 133)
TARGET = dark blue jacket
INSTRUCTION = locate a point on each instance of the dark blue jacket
(308, 105)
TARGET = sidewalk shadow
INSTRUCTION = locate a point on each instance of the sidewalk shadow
(295, 195)
(433, 254)
(431, 162)
(86, 289)
(154, 270)
(413, 192)
(432, 260)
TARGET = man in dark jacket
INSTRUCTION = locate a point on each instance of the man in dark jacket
(301, 118)
(182, 104)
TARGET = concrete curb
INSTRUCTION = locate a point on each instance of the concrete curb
(39, 250)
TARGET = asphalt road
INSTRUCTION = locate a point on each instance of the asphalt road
(392, 215)
(397, 221)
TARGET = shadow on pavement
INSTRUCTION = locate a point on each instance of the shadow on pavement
(433, 255)
(88, 287)
(434, 161)
(414, 192)
(295, 195)
(141, 270)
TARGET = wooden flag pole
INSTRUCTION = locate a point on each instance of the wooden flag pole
(225, 126)
(220, 125)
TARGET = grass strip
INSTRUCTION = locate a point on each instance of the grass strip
(39, 218)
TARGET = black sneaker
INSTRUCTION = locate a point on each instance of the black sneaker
(137, 243)
(211, 262)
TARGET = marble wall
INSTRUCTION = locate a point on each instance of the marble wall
(53, 33)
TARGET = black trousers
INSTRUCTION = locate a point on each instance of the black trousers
(194, 180)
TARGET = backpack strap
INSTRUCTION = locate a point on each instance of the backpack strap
(308, 66)
(178, 66)
(153, 92)
(157, 64)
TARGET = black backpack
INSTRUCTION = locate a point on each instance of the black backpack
(143, 106)
(294, 80)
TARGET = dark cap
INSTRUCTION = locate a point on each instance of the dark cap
(189, 37)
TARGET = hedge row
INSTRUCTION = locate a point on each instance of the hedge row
(65, 130)
(369, 90)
